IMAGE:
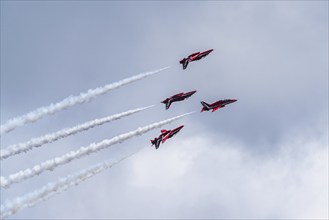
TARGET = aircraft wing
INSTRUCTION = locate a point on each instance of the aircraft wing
(215, 109)
(193, 54)
(165, 137)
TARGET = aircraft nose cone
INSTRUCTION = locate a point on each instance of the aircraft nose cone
(234, 100)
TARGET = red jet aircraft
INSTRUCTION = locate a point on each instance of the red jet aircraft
(164, 136)
(177, 97)
(194, 57)
(215, 106)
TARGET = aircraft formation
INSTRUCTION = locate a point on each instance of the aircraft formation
(166, 134)
(52, 188)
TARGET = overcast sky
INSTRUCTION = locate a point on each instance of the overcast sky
(264, 156)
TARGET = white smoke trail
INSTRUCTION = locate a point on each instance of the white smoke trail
(70, 101)
(48, 138)
(53, 188)
(94, 147)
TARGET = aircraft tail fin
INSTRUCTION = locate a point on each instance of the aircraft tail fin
(184, 62)
(168, 104)
(156, 142)
(205, 105)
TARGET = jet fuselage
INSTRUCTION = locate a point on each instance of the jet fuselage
(216, 105)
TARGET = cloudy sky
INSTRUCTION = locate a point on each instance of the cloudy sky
(265, 156)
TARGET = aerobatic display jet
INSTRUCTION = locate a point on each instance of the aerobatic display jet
(215, 106)
(194, 57)
(177, 97)
(165, 134)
